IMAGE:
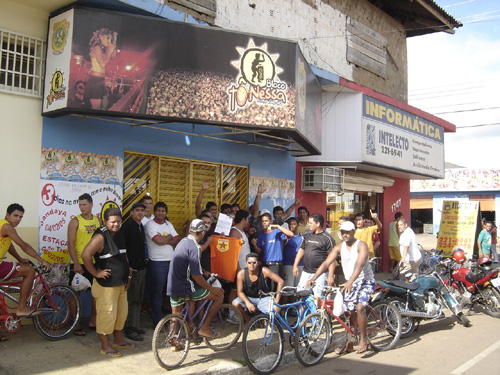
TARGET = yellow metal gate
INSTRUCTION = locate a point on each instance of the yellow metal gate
(177, 182)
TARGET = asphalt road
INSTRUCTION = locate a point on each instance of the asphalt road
(438, 347)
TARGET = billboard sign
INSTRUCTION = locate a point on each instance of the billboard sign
(399, 139)
(117, 64)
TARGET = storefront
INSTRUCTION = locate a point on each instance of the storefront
(380, 144)
(478, 185)
(136, 105)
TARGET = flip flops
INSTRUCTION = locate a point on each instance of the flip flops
(3, 338)
(344, 350)
(214, 335)
(111, 353)
(127, 345)
(79, 332)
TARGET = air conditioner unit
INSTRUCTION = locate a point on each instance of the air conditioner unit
(322, 179)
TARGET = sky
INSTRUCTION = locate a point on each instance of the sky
(457, 77)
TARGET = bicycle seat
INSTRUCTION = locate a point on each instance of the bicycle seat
(303, 293)
(402, 284)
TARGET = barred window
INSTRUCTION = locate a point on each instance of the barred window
(22, 63)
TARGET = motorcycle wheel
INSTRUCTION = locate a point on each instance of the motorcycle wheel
(492, 301)
(408, 325)
(460, 297)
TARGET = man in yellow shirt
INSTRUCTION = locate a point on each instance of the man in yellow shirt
(80, 231)
(366, 234)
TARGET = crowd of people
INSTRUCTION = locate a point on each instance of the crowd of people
(146, 260)
(204, 96)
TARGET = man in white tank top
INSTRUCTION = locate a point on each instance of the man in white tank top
(360, 280)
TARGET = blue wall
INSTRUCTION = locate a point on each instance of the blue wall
(106, 137)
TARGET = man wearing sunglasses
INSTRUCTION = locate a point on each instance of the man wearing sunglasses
(249, 282)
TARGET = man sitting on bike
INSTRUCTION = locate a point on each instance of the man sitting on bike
(186, 282)
(360, 280)
(9, 270)
(252, 280)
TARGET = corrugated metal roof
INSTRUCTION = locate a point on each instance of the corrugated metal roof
(419, 17)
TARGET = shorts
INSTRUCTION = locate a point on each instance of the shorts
(8, 270)
(361, 292)
(320, 283)
(262, 304)
(289, 278)
(200, 294)
(111, 307)
(394, 253)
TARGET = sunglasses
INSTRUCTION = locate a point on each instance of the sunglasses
(251, 262)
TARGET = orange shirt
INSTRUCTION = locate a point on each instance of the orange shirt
(224, 254)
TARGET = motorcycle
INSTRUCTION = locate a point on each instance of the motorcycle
(423, 299)
(477, 285)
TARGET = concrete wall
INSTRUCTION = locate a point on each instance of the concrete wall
(21, 128)
(319, 27)
(395, 198)
(108, 137)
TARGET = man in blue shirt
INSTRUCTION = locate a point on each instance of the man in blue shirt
(185, 279)
(484, 240)
(269, 245)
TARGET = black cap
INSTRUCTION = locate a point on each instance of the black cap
(138, 204)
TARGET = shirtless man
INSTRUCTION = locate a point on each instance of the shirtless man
(9, 270)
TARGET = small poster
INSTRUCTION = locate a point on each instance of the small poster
(459, 226)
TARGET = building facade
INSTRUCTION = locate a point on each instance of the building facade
(128, 146)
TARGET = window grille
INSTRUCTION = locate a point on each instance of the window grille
(22, 64)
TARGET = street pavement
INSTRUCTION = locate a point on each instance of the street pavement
(438, 347)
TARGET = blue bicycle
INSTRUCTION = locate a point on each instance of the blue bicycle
(264, 335)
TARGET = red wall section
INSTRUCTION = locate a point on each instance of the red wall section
(315, 202)
(395, 198)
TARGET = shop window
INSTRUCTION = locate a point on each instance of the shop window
(22, 61)
(177, 182)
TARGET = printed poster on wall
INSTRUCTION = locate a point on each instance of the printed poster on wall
(64, 176)
(459, 226)
(395, 138)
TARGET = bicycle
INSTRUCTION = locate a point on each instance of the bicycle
(174, 334)
(265, 334)
(59, 305)
(384, 322)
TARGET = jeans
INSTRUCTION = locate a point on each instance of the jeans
(494, 254)
(134, 296)
(159, 276)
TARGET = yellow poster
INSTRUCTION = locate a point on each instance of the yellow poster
(458, 225)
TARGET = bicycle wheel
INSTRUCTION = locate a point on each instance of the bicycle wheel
(312, 339)
(228, 323)
(263, 345)
(60, 314)
(383, 325)
(171, 341)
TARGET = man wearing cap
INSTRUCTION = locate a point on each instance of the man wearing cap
(185, 279)
(132, 233)
(360, 280)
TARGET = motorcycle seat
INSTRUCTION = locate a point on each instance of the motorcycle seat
(404, 285)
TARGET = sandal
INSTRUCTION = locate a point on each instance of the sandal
(344, 350)
(79, 332)
(127, 345)
(214, 335)
(3, 338)
(111, 353)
